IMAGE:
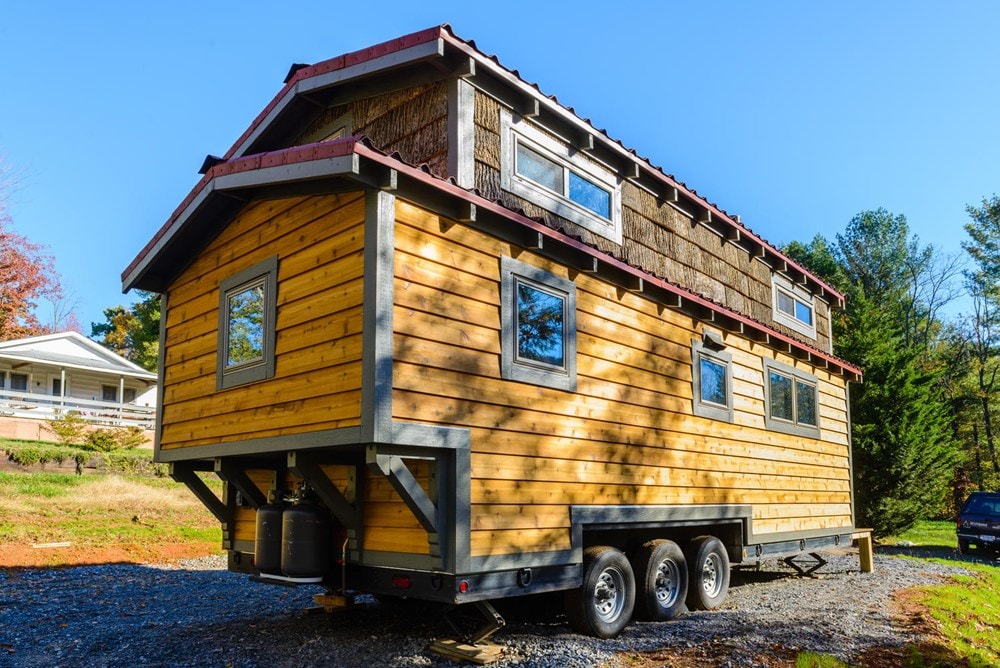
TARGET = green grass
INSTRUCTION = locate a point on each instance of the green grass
(927, 533)
(814, 660)
(46, 485)
(967, 612)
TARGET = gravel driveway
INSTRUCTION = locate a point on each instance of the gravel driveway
(197, 614)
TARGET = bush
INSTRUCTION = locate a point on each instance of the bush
(129, 438)
(134, 462)
(69, 429)
(30, 453)
(101, 440)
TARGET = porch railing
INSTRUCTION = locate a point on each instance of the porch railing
(98, 413)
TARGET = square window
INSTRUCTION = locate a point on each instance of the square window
(19, 382)
(247, 310)
(538, 327)
(541, 334)
(793, 307)
(712, 377)
(109, 393)
(791, 398)
(130, 395)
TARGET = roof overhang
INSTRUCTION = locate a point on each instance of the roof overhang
(351, 164)
(436, 54)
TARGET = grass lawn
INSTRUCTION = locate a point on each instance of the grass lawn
(927, 533)
(50, 519)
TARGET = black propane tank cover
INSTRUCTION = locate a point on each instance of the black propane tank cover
(267, 544)
(305, 540)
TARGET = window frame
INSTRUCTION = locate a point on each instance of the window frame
(781, 285)
(796, 376)
(518, 130)
(27, 381)
(528, 371)
(725, 359)
(265, 272)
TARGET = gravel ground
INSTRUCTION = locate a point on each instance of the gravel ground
(197, 614)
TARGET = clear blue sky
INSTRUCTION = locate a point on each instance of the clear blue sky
(795, 115)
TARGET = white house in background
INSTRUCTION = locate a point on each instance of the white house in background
(42, 377)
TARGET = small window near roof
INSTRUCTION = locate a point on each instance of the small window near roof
(247, 308)
(791, 398)
(793, 306)
(538, 326)
(556, 177)
(712, 378)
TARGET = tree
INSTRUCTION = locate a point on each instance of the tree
(904, 450)
(27, 274)
(133, 332)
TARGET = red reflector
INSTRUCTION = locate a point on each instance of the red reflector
(463, 587)
(401, 581)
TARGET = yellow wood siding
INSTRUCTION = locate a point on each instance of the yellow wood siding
(317, 384)
(627, 436)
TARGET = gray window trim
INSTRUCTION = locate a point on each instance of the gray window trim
(268, 270)
(513, 130)
(511, 369)
(782, 425)
(780, 284)
(701, 408)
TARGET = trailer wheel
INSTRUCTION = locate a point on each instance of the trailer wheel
(709, 569)
(661, 580)
(602, 605)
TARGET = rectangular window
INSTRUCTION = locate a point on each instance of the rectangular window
(538, 327)
(109, 393)
(57, 387)
(3, 380)
(793, 307)
(791, 399)
(130, 394)
(247, 309)
(712, 377)
(19, 382)
(558, 178)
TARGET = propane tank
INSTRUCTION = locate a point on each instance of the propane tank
(305, 539)
(267, 545)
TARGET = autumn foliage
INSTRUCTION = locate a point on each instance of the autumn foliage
(27, 274)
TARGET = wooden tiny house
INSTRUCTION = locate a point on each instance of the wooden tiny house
(502, 353)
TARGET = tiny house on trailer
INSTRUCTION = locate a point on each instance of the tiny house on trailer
(442, 338)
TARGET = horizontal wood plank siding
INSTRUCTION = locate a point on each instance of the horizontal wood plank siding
(627, 436)
(317, 383)
(655, 237)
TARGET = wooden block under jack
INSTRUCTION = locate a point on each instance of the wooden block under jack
(456, 650)
(331, 602)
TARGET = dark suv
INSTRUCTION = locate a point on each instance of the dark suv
(978, 523)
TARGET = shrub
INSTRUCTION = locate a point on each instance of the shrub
(134, 462)
(29, 453)
(128, 438)
(69, 429)
(101, 440)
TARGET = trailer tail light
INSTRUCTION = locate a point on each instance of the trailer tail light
(401, 581)
(463, 587)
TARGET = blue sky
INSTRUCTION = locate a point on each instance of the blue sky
(795, 115)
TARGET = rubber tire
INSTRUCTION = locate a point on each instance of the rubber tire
(708, 569)
(646, 562)
(602, 566)
(963, 546)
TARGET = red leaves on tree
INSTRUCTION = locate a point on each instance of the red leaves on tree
(27, 274)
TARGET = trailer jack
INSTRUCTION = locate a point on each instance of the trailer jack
(820, 562)
(472, 646)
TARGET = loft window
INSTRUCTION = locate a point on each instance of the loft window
(712, 377)
(330, 130)
(792, 399)
(538, 326)
(793, 306)
(247, 308)
(547, 172)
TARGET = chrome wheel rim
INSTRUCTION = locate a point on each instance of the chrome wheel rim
(711, 576)
(665, 584)
(609, 594)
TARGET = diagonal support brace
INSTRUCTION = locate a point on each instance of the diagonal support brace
(229, 471)
(409, 489)
(187, 476)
